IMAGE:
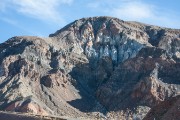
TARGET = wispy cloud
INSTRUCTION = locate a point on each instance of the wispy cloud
(2, 6)
(16, 24)
(134, 11)
(9, 21)
(137, 10)
(45, 10)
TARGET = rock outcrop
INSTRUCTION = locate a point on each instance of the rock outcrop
(166, 110)
(99, 67)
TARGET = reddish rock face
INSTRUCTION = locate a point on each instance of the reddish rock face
(98, 67)
(12, 107)
(33, 108)
(145, 81)
(166, 110)
(26, 108)
(55, 79)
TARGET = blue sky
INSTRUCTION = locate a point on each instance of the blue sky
(42, 17)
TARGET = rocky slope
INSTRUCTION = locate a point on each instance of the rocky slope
(99, 67)
(27, 116)
(166, 110)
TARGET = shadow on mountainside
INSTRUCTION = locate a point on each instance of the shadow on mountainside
(121, 83)
(86, 84)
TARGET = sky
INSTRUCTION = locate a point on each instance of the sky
(43, 17)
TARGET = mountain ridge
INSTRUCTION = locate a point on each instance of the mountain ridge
(93, 67)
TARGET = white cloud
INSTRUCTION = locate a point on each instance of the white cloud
(46, 10)
(24, 29)
(10, 21)
(133, 11)
(137, 10)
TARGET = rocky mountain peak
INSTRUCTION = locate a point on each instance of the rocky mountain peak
(93, 67)
(103, 36)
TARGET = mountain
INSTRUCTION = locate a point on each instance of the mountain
(97, 68)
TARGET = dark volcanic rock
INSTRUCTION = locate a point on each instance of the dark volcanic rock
(93, 67)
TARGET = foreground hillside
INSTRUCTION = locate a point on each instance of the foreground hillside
(25, 116)
(98, 68)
